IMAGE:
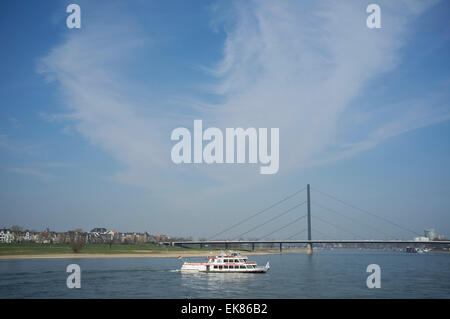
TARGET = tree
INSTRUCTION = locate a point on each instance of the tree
(77, 243)
(16, 229)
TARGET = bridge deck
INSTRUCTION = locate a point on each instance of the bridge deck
(325, 241)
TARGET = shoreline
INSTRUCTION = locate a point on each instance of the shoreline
(158, 254)
(144, 255)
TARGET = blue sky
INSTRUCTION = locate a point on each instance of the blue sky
(86, 115)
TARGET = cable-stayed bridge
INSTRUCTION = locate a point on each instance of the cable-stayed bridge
(258, 222)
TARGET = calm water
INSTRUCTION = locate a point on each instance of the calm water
(327, 274)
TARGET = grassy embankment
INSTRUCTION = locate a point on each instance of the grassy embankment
(134, 249)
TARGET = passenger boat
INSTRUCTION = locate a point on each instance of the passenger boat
(226, 263)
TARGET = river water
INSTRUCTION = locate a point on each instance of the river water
(326, 274)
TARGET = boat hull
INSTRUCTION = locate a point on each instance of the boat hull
(254, 271)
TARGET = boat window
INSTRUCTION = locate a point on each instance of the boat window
(220, 267)
(242, 267)
(215, 267)
(225, 267)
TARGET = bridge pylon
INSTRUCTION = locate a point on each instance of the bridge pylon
(309, 249)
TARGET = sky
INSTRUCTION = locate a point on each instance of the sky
(86, 116)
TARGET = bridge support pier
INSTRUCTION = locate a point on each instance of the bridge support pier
(281, 247)
(226, 245)
(309, 249)
(253, 246)
(201, 246)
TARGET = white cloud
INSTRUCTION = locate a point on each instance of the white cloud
(31, 172)
(103, 111)
(16, 146)
(300, 66)
(288, 64)
(53, 164)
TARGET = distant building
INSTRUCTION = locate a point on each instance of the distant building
(6, 236)
(99, 230)
(430, 233)
(28, 236)
(421, 238)
(21, 236)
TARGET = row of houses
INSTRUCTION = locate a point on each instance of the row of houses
(8, 236)
(95, 236)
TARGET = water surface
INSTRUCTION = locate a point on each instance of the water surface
(326, 274)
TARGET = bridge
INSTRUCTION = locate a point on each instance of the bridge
(309, 242)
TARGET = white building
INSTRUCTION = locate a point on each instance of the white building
(421, 239)
(27, 236)
(6, 236)
(430, 233)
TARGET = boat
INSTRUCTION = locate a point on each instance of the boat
(225, 263)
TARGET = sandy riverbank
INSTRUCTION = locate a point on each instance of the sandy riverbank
(145, 254)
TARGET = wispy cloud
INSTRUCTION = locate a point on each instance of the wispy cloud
(31, 172)
(54, 118)
(301, 68)
(15, 146)
(296, 66)
(52, 164)
(414, 114)
(14, 122)
(40, 169)
(87, 66)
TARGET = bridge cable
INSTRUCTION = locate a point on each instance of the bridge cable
(366, 212)
(296, 234)
(336, 226)
(258, 213)
(283, 227)
(301, 232)
(318, 231)
(270, 220)
(350, 218)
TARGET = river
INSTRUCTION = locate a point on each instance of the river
(326, 274)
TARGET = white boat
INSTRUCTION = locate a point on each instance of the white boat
(225, 263)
